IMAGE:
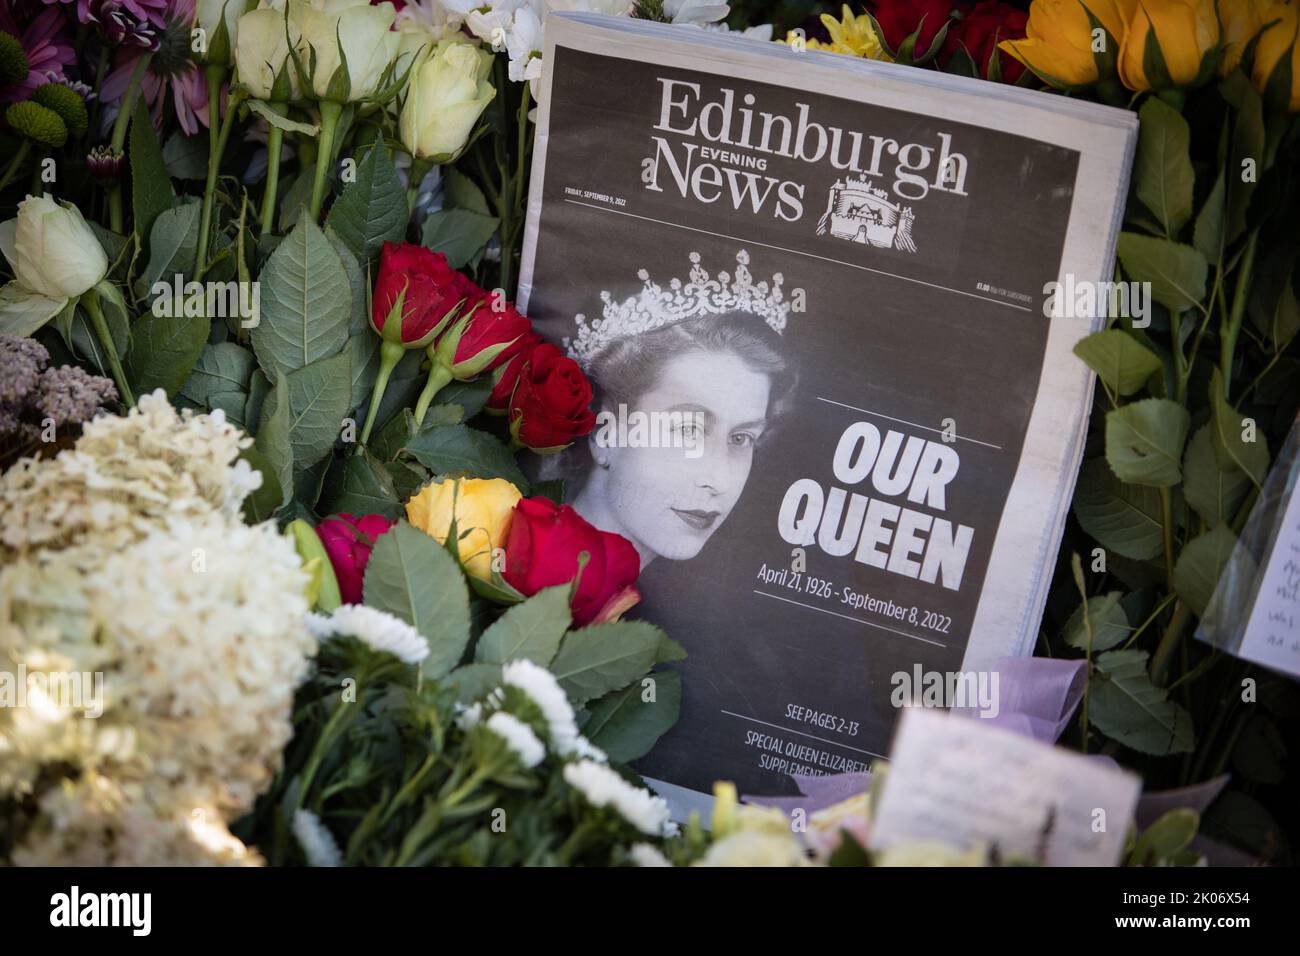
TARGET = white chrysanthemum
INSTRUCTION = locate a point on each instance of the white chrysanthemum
(316, 840)
(468, 716)
(545, 691)
(124, 478)
(519, 737)
(603, 787)
(375, 628)
(645, 854)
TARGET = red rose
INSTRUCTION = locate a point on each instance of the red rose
(542, 550)
(551, 404)
(899, 19)
(487, 337)
(508, 374)
(980, 32)
(416, 284)
(348, 541)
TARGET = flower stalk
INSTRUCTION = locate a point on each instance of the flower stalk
(329, 121)
(97, 322)
(210, 187)
(390, 353)
(127, 107)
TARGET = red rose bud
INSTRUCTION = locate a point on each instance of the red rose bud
(416, 295)
(911, 26)
(482, 339)
(348, 541)
(980, 32)
(551, 404)
(507, 375)
(542, 550)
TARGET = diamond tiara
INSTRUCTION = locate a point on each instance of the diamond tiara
(655, 307)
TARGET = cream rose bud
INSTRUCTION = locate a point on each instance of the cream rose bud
(339, 31)
(448, 92)
(218, 20)
(51, 249)
(262, 54)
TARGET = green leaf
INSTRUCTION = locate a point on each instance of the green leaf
(372, 209)
(1120, 360)
(173, 243)
(266, 500)
(1108, 621)
(1231, 449)
(1165, 837)
(163, 350)
(362, 487)
(458, 234)
(23, 313)
(1125, 706)
(273, 437)
(413, 577)
(1162, 172)
(596, 660)
(1200, 564)
(473, 682)
(531, 630)
(221, 368)
(1246, 145)
(458, 450)
(1260, 754)
(151, 187)
(1274, 309)
(625, 726)
(1176, 272)
(1144, 441)
(359, 323)
(1213, 492)
(471, 396)
(1208, 237)
(462, 192)
(306, 302)
(186, 156)
(320, 396)
(282, 122)
(1123, 518)
(297, 198)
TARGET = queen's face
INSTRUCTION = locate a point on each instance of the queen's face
(669, 500)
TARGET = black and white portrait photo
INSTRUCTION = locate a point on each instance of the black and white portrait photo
(689, 379)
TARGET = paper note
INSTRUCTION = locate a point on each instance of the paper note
(964, 782)
(1272, 636)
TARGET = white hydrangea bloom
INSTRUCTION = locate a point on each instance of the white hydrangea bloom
(316, 840)
(125, 477)
(519, 737)
(375, 628)
(602, 787)
(646, 854)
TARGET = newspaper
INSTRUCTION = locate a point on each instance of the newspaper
(833, 416)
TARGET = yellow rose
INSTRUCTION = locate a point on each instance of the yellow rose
(1241, 21)
(1059, 46)
(1277, 43)
(483, 508)
(1171, 39)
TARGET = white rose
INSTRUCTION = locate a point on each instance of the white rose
(51, 249)
(262, 54)
(448, 92)
(344, 30)
(218, 20)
